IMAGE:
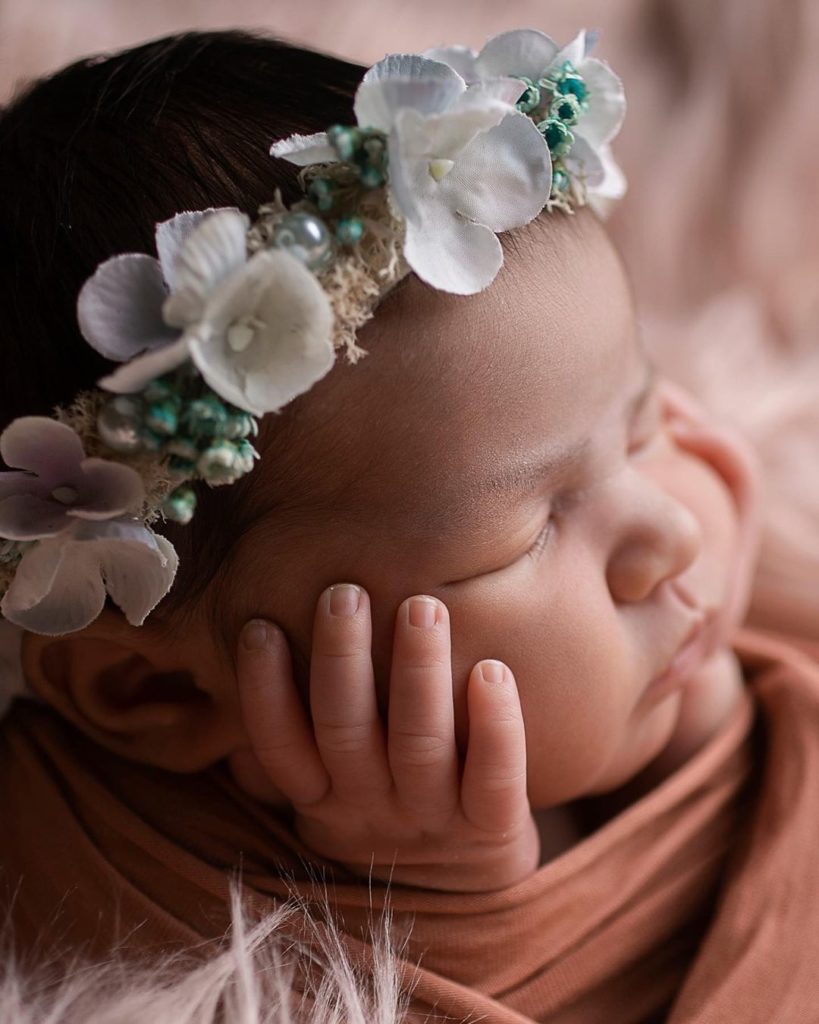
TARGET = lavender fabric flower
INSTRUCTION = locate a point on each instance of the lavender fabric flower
(53, 482)
(61, 583)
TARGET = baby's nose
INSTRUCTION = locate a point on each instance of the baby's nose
(659, 540)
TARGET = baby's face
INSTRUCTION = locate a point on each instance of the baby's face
(510, 454)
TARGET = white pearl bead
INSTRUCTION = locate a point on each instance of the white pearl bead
(118, 425)
(306, 236)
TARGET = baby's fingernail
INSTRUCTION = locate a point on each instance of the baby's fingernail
(344, 599)
(256, 635)
(423, 612)
(493, 671)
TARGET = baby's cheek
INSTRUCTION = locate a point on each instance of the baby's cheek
(576, 684)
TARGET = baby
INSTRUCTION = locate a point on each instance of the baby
(577, 517)
(578, 535)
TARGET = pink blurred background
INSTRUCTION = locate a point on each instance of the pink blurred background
(720, 228)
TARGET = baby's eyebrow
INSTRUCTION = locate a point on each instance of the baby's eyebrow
(526, 476)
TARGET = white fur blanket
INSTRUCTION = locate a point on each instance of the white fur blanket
(250, 982)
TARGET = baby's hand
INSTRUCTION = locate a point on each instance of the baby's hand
(392, 800)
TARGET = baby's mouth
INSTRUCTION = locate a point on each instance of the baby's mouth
(697, 646)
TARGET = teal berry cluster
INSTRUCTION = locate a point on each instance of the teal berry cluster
(198, 434)
(556, 103)
(365, 151)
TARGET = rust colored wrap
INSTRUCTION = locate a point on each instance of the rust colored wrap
(698, 903)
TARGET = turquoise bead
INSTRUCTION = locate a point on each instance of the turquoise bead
(349, 230)
(320, 191)
(345, 141)
(206, 417)
(560, 181)
(529, 98)
(371, 177)
(566, 108)
(573, 85)
(162, 418)
(558, 137)
(160, 389)
(180, 505)
(240, 425)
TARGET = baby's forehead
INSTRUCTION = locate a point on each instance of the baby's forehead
(453, 386)
(458, 391)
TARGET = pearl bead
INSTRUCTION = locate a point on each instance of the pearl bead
(118, 424)
(306, 237)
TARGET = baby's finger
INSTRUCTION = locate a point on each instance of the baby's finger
(421, 742)
(493, 789)
(347, 726)
(275, 720)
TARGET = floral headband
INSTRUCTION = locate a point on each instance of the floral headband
(235, 319)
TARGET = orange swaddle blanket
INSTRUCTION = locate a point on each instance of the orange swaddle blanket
(698, 903)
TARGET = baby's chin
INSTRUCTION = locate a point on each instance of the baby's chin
(700, 708)
(673, 730)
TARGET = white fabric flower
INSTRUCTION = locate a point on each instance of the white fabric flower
(534, 55)
(60, 583)
(463, 164)
(258, 329)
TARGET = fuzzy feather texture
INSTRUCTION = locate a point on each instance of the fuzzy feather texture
(259, 978)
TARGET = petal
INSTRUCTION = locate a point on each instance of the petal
(507, 90)
(410, 181)
(288, 355)
(119, 308)
(412, 66)
(13, 483)
(138, 566)
(418, 139)
(211, 253)
(504, 177)
(378, 101)
(304, 150)
(29, 517)
(172, 234)
(446, 135)
(107, 489)
(42, 445)
(612, 187)
(58, 587)
(12, 681)
(451, 253)
(460, 58)
(575, 51)
(135, 375)
(519, 52)
(607, 103)
(584, 163)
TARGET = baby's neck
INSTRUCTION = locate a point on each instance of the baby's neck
(707, 702)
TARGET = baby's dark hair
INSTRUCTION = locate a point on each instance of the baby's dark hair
(93, 157)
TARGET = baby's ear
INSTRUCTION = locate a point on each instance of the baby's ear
(167, 702)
